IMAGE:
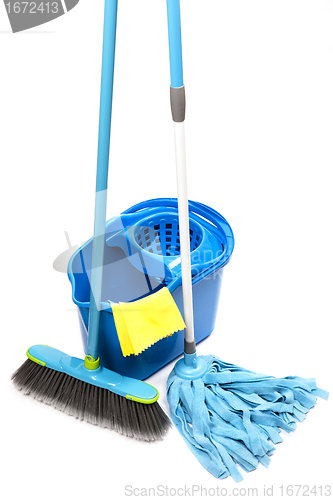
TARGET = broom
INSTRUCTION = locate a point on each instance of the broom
(83, 388)
(227, 415)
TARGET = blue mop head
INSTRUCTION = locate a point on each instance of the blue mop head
(231, 416)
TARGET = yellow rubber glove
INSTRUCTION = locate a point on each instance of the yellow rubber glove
(144, 322)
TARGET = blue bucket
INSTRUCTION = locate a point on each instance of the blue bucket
(142, 255)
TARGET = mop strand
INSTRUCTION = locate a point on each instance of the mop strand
(233, 416)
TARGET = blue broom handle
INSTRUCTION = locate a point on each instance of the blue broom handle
(109, 45)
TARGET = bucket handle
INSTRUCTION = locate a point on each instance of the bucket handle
(209, 217)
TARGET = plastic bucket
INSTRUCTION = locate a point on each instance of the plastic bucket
(141, 256)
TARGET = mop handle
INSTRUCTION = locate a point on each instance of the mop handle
(177, 98)
(109, 45)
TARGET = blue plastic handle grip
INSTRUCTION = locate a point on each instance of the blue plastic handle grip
(109, 46)
(175, 43)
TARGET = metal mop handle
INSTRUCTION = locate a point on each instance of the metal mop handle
(177, 97)
(109, 44)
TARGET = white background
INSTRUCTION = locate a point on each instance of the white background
(259, 80)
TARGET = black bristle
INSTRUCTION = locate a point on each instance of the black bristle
(145, 422)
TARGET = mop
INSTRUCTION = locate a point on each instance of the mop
(227, 415)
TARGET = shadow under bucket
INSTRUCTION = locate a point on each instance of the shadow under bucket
(142, 255)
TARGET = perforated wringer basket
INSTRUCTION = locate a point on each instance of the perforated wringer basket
(142, 255)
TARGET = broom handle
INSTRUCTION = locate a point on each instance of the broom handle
(177, 98)
(109, 44)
